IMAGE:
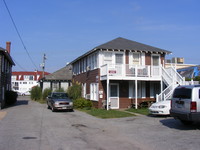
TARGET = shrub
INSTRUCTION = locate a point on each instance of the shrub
(82, 103)
(60, 90)
(36, 93)
(45, 93)
(74, 91)
(10, 97)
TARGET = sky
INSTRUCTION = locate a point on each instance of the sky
(66, 29)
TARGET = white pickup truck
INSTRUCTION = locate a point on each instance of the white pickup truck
(185, 104)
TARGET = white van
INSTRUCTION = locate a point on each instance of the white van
(185, 104)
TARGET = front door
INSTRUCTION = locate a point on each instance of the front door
(155, 65)
(114, 96)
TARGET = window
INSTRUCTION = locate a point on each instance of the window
(14, 77)
(113, 90)
(155, 60)
(199, 94)
(136, 58)
(119, 58)
(182, 93)
(24, 82)
(94, 91)
(107, 58)
(28, 77)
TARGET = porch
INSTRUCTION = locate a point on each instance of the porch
(130, 72)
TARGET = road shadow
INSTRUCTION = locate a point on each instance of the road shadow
(176, 124)
(22, 102)
(17, 103)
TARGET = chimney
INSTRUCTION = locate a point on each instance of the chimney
(8, 46)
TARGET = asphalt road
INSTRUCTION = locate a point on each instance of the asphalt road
(31, 126)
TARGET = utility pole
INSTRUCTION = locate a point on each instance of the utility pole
(43, 65)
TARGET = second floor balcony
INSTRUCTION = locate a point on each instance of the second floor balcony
(130, 72)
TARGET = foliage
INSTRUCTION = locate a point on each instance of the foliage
(74, 91)
(82, 103)
(10, 97)
(197, 78)
(45, 93)
(36, 93)
(60, 90)
(187, 79)
(102, 113)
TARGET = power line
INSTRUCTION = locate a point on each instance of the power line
(19, 65)
(19, 34)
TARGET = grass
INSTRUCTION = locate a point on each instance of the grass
(41, 101)
(105, 114)
(143, 111)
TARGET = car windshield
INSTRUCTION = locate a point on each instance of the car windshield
(183, 93)
(59, 95)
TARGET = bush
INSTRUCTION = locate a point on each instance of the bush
(74, 91)
(82, 103)
(60, 90)
(45, 93)
(36, 93)
(10, 97)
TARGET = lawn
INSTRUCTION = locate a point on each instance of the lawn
(143, 111)
(105, 114)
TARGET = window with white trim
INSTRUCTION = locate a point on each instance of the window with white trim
(136, 58)
(107, 58)
(119, 58)
(94, 91)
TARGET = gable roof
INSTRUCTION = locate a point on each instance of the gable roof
(64, 73)
(124, 44)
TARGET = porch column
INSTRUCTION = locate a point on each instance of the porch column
(108, 90)
(136, 100)
(161, 89)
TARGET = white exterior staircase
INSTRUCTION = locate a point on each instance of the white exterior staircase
(172, 79)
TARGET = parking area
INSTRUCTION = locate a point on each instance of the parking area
(30, 124)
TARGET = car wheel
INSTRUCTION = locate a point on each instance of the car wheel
(186, 122)
(52, 109)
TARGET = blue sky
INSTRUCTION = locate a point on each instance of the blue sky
(65, 29)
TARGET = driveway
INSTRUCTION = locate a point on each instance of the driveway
(31, 126)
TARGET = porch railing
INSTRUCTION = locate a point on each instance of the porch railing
(127, 70)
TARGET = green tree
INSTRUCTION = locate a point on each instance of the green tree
(36, 93)
(74, 91)
(45, 93)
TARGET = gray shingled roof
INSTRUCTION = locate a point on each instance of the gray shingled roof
(64, 73)
(125, 44)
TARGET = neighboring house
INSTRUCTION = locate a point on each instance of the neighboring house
(190, 72)
(60, 79)
(6, 64)
(23, 81)
(122, 73)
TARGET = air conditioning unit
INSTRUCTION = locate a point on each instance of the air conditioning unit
(87, 96)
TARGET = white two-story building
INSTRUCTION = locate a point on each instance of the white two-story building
(122, 73)
(22, 81)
